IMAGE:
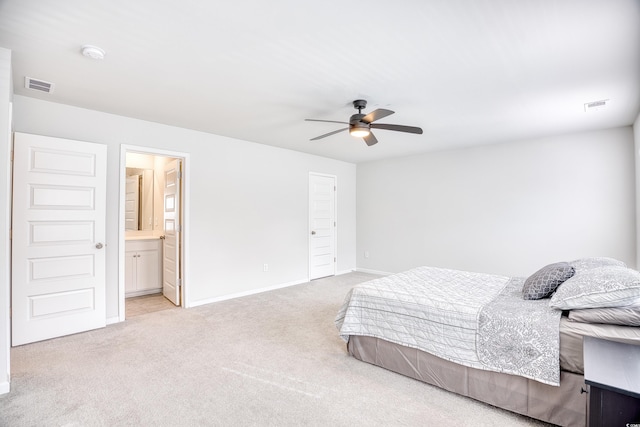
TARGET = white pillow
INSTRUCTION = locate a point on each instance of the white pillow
(610, 286)
(583, 264)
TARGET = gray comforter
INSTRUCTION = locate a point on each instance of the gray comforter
(474, 319)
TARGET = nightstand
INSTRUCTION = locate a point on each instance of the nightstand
(612, 372)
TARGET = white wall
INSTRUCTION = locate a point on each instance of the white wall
(249, 202)
(504, 208)
(636, 139)
(5, 262)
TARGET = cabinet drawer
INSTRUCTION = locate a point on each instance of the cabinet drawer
(143, 245)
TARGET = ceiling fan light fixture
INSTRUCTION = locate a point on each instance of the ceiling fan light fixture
(359, 132)
(358, 128)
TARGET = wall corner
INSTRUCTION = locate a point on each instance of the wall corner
(636, 150)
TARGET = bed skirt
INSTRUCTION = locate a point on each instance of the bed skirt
(565, 405)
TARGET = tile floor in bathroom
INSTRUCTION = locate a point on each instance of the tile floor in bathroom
(136, 306)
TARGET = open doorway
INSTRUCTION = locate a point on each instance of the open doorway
(152, 249)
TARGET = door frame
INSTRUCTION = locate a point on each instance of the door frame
(184, 238)
(335, 216)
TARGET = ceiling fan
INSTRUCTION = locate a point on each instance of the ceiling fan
(360, 125)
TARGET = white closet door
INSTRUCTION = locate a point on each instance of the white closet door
(322, 226)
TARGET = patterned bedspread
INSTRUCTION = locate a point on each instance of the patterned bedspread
(460, 316)
(520, 337)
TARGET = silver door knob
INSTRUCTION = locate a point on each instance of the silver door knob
(313, 232)
(99, 245)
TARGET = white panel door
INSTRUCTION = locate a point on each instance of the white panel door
(132, 203)
(58, 255)
(171, 247)
(322, 226)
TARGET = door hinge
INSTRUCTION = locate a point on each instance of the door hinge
(334, 223)
(334, 259)
(335, 188)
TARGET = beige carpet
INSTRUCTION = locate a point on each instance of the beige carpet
(272, 359)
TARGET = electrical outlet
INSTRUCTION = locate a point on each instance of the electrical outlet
(366, 254)
(265, 267)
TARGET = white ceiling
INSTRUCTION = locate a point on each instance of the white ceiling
(467, 71)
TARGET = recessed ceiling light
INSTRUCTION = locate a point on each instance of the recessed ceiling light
(93, 52)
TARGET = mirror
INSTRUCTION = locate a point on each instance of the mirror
(139, 199)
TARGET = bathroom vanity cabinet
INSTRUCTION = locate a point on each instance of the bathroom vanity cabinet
(143, 267)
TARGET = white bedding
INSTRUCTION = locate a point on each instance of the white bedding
(437, 310)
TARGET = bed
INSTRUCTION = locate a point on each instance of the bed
(515, 343)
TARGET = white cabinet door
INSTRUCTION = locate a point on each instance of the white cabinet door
(148, 272)
(130, 282)
(58, 245)
(142, 267)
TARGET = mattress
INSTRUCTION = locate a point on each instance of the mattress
(572, 333)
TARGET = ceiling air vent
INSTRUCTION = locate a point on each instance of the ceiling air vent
(596, 105)
(40, 85)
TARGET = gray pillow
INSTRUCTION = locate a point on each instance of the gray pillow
(625, 316)
(545, 281)
(610, 286)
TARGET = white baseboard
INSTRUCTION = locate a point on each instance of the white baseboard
(266, 289)
(366, 270)
(5, 387)
(246, 293)
(145, 292)
(112, 320)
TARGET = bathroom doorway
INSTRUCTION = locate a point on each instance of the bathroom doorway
(153, 213)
